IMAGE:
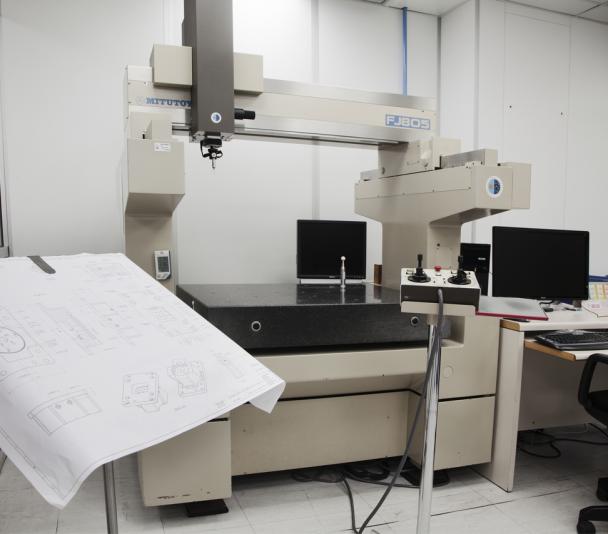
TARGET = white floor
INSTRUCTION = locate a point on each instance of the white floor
(547, 498)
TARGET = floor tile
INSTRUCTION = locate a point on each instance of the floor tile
(484, 520)
(309, 525)
(19, 524)
(552, 513)
(497, 495)
(245, 529)
(12, 479)
(278, 506)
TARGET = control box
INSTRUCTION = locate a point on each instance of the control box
(419, 290)
(162, 264)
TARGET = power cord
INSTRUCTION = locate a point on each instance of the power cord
(379, 471)
(551, 440)
(335, 475)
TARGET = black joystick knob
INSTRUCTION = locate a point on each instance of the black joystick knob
(419, 275)
(461, 277)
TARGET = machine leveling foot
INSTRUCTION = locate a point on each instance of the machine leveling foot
(412, 474)
(201, 508)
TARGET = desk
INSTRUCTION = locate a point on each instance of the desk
(569, 355)
(537, 386)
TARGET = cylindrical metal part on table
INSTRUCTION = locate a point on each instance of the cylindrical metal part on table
(428, 456)
(110, 494)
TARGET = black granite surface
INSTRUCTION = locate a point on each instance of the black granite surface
(245, 295)
(304, 315)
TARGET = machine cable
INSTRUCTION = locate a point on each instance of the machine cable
(337, 475)
(378, 471)
(551, 440)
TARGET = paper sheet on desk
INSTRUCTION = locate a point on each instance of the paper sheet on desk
(98, 361)
(599, 307)
(511, 307)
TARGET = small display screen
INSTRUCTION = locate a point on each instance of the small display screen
(322, 243)
(540, 264)
(163, 264)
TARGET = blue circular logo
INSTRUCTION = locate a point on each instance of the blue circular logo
(494, 186)
(216, 117)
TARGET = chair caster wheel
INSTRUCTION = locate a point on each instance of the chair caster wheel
(585, 527)
(601, 494)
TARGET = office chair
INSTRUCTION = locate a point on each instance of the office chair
(596, 404)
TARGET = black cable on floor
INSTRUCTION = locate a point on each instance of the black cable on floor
(552, 440)
(557, 454)
(378, 471)
(329, 475)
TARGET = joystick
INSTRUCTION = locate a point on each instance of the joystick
(419, 275)
(461, 278)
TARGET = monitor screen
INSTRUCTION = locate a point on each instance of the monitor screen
(322, 243)
(476, 258)
(540, 264)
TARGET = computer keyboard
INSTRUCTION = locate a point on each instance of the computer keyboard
(575, 340)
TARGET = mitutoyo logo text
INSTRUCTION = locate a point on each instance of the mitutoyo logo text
(165, 102)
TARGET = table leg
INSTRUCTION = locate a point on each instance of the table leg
(110, 494)
(501, 470)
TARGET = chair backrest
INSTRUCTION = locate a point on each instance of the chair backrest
(589, 399)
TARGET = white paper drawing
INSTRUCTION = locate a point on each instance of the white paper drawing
(11, 342)
(18, 351)
(143, 390)
(63, 410)
(190, 377)
(98, 361)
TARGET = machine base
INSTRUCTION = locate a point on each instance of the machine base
(201, 508)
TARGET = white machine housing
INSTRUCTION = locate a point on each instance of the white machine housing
(421, 297)
(423, 212)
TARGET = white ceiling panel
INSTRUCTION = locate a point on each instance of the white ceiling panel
(599, 14)
(432, 7)
(592, 9)
(568, 7)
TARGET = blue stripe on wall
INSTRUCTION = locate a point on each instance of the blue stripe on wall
(405, 50)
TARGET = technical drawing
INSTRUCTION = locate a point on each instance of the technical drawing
(31, 360)
(116, 318)
(225, 360)
(107, 271)
(74, 328)
(143, 390)
(18, 351)
(11, 342)
(63, 410)
(190, 377)
(169, 324)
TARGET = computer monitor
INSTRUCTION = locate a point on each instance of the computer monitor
(476, 257)
(540, 264)
(322, 243)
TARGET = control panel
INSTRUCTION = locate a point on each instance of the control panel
(420, 285)
(162, 264)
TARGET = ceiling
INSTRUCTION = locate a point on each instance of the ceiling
(588, 9)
